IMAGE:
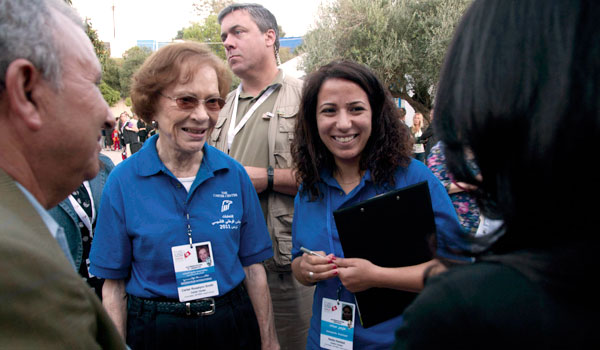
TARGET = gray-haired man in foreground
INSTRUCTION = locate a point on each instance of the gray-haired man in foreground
(51, 117)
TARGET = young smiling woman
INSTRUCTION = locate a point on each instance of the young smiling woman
(348, 147)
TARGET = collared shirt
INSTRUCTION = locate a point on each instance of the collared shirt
(57, 232)
(144, 210)
(256, 129)
(251, 145)
(314, 227)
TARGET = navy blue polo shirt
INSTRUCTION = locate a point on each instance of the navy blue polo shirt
(144, 212)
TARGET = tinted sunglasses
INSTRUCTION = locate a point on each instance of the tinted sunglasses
(213, 104)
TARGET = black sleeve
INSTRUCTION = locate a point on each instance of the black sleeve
(426, 134)
(432, 321)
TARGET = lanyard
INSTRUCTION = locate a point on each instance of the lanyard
(234, 129)
(329, 223)
(87, 221)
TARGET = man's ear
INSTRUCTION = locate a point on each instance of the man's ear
(22, 78)
(270, 37)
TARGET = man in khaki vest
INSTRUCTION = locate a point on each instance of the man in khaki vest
(51, 117)
(256, 127)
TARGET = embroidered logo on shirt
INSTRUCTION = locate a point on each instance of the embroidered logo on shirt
(225, 205)
(228, 220)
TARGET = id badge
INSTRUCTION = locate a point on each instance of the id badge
(195, 271)
(337, 324)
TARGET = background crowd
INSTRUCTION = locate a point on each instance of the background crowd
(128, 135)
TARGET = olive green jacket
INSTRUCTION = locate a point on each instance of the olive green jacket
(44, 302)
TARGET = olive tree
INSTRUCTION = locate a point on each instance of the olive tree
(403, 41)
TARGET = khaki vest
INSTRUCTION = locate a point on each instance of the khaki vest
(280, 135)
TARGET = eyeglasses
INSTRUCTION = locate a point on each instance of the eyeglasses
(213, 104)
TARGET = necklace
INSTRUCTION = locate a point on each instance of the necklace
(338, 177)
(350, 182)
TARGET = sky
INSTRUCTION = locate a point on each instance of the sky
(160, 19)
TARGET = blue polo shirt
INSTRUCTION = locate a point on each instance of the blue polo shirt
(144, 212)
(314, 228)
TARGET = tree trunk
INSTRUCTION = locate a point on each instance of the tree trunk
(418, 106)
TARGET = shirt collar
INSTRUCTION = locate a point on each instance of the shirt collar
(48, 220)
(327, 177)
(55, 230)
(150, 164)
(276, 82)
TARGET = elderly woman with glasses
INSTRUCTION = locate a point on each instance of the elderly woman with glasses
(176, 194)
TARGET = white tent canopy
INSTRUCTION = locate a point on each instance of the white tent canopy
(291, 67)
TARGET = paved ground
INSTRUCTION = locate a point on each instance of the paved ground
(115, 156)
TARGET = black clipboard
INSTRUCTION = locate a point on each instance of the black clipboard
(393, 229)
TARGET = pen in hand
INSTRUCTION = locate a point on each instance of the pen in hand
(310, 252)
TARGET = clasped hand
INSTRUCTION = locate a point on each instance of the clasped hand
(355, 274)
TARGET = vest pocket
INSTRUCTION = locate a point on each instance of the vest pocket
(216, 133)
(283, 160)
(282, 225)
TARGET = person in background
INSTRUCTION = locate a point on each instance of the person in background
(176, 193)
(460, 192)
(108, 139)
(123, 119)
(255, 127)
(402, 115)
(349, 147)
(103, 139)
(428, 137)
(524, 106)
(152, 128)
(142, 130)
(129, 132)
(77, 216)
(116, 137)
(136, 123)
(52, 115)
(415, 129)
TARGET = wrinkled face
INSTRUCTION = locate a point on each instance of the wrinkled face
(186, 130)
(75, 114)
(246, 46)
(343, 119)
(203, 254)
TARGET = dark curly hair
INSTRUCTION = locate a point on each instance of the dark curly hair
(390, 143)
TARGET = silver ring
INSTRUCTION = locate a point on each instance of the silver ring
(310, 274)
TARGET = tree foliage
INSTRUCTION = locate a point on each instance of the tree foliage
(208, 32)
(99, 46)
(110, 72)
(207, 7)
(103, 54)
(403, 41)
(111, 96)
(132, 60)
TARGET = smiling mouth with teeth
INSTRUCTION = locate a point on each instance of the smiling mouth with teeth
(193, 131)
(345, 138)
